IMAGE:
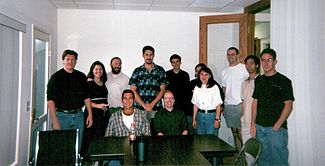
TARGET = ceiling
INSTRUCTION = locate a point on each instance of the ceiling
(223, 6)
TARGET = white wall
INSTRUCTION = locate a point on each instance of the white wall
(44, 15)
(101, 35)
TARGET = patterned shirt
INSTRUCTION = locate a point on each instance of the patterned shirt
(148, 84)
(117, 128)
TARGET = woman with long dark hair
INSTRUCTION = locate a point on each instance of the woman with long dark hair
(207, 104)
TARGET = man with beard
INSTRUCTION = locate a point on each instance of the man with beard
(148, 83)
(116, 83)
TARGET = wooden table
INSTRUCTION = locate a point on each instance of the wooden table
(165, 150)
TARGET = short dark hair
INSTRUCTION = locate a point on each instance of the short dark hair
(269, 51)
(128, 91)
(69, 52)
(255, 59)
(233, 48)
(175, 56)
(148, 48)
(115, 58)
(200, 65)
(91, 73)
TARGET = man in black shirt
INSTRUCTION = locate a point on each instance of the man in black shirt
(272, 105)
(66, 95)
(179, 84)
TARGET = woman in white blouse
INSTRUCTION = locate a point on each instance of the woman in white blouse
(207, 104)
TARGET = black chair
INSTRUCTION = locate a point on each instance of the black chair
(251, 149)
(57, 147)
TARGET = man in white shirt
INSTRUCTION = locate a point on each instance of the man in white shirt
(232, 79)
(116, 83)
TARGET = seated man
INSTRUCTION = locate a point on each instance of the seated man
(169, 120)
(120, 122)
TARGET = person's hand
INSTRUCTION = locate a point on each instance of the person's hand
(89, 79)
(148, 107)
(56, 125)
(276, 127)
(89, 121)
(242, 118)
(160, 134)
(102, 106)
(194, 123)
(253, 131)
(216, 124)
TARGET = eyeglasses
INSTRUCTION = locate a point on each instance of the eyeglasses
(168, 98)
(267, 60)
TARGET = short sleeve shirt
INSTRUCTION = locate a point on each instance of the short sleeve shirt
(271, 92)
(68, 90)
(148, 84)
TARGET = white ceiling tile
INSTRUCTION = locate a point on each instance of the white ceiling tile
(210, 3)
(243, 3)
(133, 2)
(232, 6)
(132, 7)
(167, 8)
(65, 5)
(231, 10)
(67, 1)
(173, 2)
(99, 6)
(202, 9)
(94, 1)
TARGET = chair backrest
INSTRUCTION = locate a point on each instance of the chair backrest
(251, 148)
(57, 147)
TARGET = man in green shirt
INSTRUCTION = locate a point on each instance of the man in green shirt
(170, 121)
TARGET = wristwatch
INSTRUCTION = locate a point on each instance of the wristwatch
(219, 120)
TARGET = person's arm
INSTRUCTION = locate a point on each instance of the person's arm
(101, 106)
(89, 121)
(254, 110)
(217, 122)
(158, 124)
(158, 97)
(195, 109)
(286, 111)
(110, 127)
(51, 106)
(138, 98)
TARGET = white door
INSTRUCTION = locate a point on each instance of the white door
(39, 113)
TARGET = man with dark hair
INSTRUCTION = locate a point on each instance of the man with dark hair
(232, 77)
(179, 85)
(272, 105)
(117, 82)
(66, 95)
(120, 122)
(148, 83)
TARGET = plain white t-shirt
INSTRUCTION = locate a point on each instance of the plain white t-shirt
(232, 79)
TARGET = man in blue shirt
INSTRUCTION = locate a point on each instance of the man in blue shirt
(148, 82)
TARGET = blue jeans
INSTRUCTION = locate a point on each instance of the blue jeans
(72, 121)
(274, 146)
(205, 124)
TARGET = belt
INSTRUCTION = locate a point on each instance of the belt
(206, 111)
(68, 111)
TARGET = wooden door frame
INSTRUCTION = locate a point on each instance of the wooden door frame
(246, 33)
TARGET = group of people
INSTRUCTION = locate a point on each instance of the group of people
(155, 102)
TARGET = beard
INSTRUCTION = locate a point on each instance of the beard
(116, 70)
(148, 61)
